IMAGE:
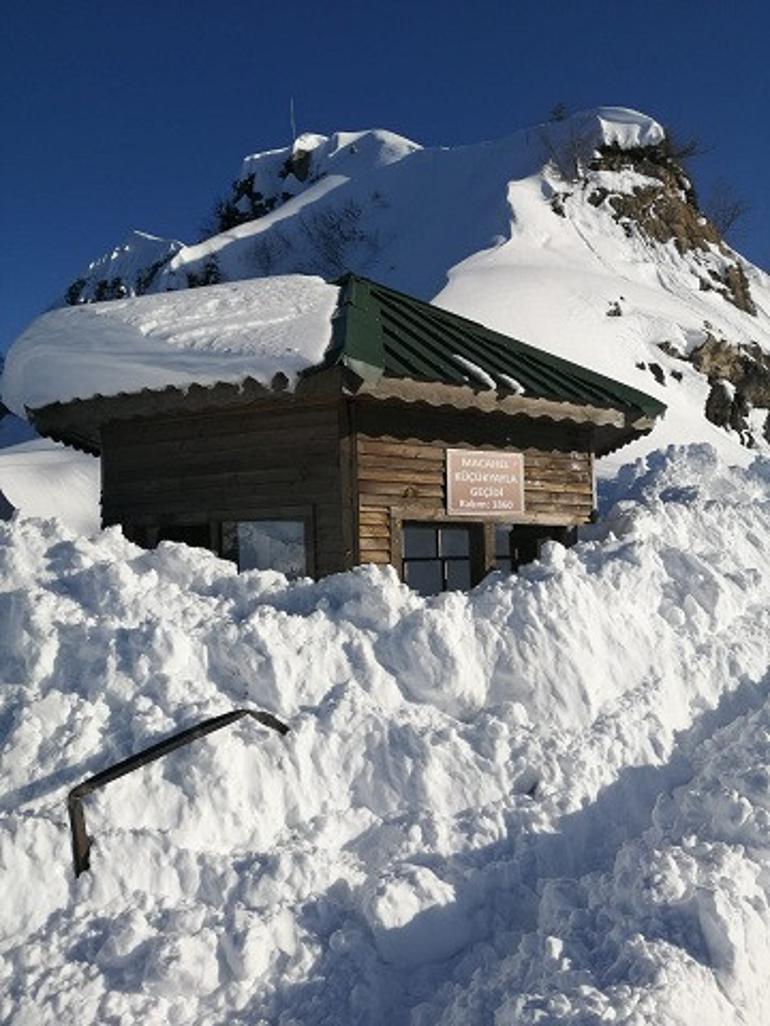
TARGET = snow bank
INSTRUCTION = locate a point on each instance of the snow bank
(42, 478)
(542, 802)
(219, 333)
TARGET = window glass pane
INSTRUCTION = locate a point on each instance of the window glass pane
(190, 534)
(527, 540)
(455, 541)
(419, 541)
(424, 576)
(503, 540)
(272, 545)
(458, 574)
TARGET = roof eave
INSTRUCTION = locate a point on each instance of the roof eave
(463, 397)
(78, 422)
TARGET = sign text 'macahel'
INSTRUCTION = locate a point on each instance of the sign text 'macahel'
(484, 481)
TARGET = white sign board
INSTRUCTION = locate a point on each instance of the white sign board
(482, 482)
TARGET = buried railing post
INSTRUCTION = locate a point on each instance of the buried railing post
(81, 842)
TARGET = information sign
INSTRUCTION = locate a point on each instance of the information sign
(484, 482)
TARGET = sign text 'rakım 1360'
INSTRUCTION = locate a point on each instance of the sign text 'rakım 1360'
(480, 482)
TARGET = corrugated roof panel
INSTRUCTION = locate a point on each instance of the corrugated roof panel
(446, 341)
(424, 342)
(411, 351)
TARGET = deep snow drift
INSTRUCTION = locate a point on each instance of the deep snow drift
(38, 476)
(546, 801)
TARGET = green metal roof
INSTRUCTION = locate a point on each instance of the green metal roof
(379, 332)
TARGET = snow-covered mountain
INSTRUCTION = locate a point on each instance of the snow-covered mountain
(127, 270)
(582, 236)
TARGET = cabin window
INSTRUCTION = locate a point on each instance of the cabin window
(267, 545)
(437, 557)
(197, 535)
(519, 544)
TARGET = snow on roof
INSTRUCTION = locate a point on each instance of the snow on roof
(220, 333)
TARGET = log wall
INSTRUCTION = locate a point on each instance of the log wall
(275, 459)
(353, 469)
(400, 458)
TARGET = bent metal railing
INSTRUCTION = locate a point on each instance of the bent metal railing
(81, 842)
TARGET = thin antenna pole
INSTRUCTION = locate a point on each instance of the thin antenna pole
(291, 119)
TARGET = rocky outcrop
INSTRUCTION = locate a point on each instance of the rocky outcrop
(666, 210)
(747, 367)
(727, 407)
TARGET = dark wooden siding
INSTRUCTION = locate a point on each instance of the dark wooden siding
(264, 460)
(353, 469)
(400, 469)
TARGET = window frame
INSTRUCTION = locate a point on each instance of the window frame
(474, 559)
(303, 514)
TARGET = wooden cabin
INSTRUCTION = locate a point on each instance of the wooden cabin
(422, 439)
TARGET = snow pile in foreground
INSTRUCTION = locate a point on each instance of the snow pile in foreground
(227, 333)
(547, 801)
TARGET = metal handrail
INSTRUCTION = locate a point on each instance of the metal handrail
(81, 842)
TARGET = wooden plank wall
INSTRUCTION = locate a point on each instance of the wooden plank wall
(231, 464)
(400, 465)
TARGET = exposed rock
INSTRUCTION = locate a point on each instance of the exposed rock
(245, 203)
(738, 288)
(667, 210)
(297, 164)
(732, 284)
(112, 288)
(727, 407)
(671, 350)
(746, 367)
(7, 510)
(75, 291)
(208, 275)
(663, 217)
(655, 369)
(557, 204)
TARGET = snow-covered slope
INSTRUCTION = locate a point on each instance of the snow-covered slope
(582, 236)
(41, 478)
(127, 270)
(544, 802)
(13, 429)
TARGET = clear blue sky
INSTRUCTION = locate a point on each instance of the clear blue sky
(136, 115)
